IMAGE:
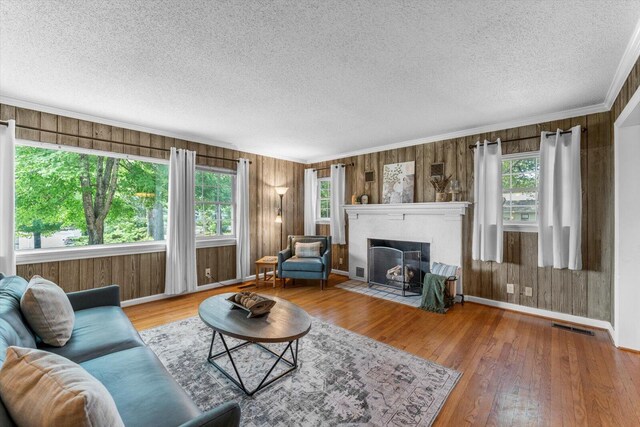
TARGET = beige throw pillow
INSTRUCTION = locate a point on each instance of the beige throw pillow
(43, 389)
(308, 250)
(48, 311)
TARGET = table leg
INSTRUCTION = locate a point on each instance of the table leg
(274, 277)
(237, 380)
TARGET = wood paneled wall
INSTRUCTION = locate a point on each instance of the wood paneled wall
(143, 274)
(583, 293)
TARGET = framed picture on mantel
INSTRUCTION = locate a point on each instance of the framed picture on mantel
(398, 182)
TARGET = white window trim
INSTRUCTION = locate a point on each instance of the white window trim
(520, 227)
(318, 219)
(204, 239)
(81, 150)
(31, 256)
(515, 226)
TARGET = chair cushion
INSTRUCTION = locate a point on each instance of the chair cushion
(43, 389)
(98, 331)
(303, 264)
(444, 269)
(308, 250)
(307, 239)
(48, 311)
(144, 392)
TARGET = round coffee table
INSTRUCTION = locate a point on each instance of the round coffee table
(285, 323)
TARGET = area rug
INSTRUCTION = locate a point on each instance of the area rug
(343, 378)
(379, 292)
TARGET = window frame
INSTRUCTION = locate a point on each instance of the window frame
(319, 219)
(30, 256)
(519, 226)
(209, 241)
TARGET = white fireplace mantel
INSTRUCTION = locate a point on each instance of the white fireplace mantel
(439, 224)
(431, 208)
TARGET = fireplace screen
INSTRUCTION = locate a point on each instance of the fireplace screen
(395, 268)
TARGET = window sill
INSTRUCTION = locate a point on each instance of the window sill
(33, 256)
(85, 252)
(521, 228)
(214, 242)
(323, 221)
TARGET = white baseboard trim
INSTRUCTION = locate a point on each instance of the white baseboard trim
(579, 320)
(340, 272)
(201, 288)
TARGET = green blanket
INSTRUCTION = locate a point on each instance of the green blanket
(434, 296)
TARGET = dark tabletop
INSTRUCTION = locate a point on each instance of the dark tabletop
(286, 321)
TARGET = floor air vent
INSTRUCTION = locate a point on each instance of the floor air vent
(360, 272)
(573, 329)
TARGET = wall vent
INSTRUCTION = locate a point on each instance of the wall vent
(573, 329)
(360, 272)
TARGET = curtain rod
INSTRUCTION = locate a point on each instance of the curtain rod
(329, 167)
(547, 135)
(5, 123)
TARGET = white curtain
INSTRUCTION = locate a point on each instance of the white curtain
(337, 201)
(7, 199)
(243, 245)
(310, 201)
(560, 201)
(181, 229)
(487, 190)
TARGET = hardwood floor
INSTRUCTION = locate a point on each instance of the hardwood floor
(517, 369)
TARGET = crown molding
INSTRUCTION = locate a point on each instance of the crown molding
(628, 60)
(102, 120)
(559, 115)
(15, 102)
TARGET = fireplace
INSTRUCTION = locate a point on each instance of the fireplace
(439, 224)
(399, 265)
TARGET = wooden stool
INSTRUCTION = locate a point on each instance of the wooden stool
(266, 263)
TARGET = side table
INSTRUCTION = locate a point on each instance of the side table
(266, 263)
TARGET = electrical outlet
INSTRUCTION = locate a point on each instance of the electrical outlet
(207, 272)
(340, 261)
(528, 291)
(510, 288)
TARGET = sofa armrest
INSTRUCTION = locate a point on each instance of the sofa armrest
(326, 260)
(105, 296)
(225, 415)
(282, 257)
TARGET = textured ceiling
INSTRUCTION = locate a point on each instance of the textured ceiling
(307, 79)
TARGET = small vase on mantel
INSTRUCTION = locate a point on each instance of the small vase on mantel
(442, 197)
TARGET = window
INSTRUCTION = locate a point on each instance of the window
(214, 203)
(324, 199)
(73, 197)
(520, 190)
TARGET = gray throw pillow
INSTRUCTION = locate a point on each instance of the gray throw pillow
(308, 250)
(48, 311)
(44, 389)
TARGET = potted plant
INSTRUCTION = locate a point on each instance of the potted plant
(440, 184)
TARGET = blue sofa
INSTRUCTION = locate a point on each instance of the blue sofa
(105, 343)
(292, 267)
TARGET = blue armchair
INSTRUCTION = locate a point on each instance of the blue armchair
(292, 267)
